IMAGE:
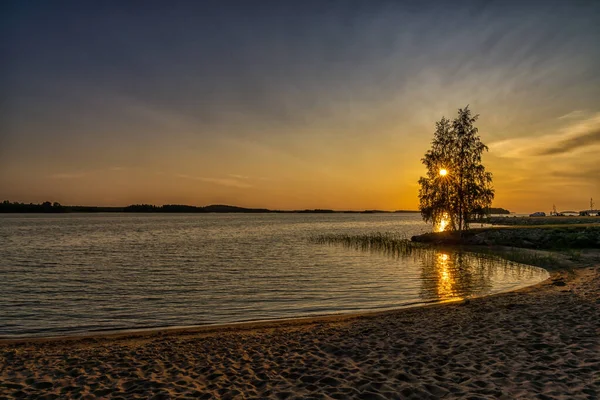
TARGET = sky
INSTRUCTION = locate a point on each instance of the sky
(294, 104)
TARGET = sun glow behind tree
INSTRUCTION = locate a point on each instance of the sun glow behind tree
(457, 187)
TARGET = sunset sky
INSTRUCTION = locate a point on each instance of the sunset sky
(294, 104)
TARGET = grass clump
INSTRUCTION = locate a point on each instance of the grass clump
(390, 243)
(398, 246)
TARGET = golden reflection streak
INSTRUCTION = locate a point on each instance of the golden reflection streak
(446, 285)
(443, 223)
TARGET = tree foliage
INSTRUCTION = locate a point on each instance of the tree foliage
(465, 192)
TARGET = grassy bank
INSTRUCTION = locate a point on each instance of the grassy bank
(550, 247)
(395, 245)
(550, 237)
(528, 221)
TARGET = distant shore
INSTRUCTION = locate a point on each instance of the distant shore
(49, 207)
(56, 208)
(520, 344)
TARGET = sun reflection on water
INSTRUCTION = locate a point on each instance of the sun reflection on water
(443, 223)
(446, 282)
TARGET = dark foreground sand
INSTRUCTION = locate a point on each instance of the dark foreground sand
(540, 342)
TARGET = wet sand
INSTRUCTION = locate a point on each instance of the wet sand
(539, 342)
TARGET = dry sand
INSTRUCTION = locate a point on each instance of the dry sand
(540, 342)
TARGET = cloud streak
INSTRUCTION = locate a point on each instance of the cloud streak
(573, 143)
(228, 182)
(68, 175)
(576, 136)
(572, 115)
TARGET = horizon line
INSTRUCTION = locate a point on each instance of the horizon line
(255, 209)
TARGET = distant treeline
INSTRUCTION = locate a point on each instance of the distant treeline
(48, 207)
(488, 213)
(181, 208)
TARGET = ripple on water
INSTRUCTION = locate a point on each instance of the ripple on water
(75, 273)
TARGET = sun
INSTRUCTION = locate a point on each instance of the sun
(443, 172)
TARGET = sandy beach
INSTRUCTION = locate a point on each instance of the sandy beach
(539, 342)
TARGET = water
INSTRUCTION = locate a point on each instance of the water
(76, 273)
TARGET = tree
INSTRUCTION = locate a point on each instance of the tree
(457, 187)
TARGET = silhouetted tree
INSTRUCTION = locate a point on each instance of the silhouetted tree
(457, 186)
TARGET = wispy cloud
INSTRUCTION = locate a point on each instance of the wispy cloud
(229, 182)
(573, 143)
(68, 175)
(560, 166)
(579, 172)
(249, 178)
(575, 114)
(236, 176)
(86, 173)
(578, 135)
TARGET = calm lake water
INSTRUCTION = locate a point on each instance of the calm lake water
(75, 273)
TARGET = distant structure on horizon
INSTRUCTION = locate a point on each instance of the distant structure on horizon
(589, 213)
(592, 212)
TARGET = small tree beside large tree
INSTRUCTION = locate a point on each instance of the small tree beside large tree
(457, 188)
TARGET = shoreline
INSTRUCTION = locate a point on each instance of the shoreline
(232, 326)
(256, 324)
(537, 341)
